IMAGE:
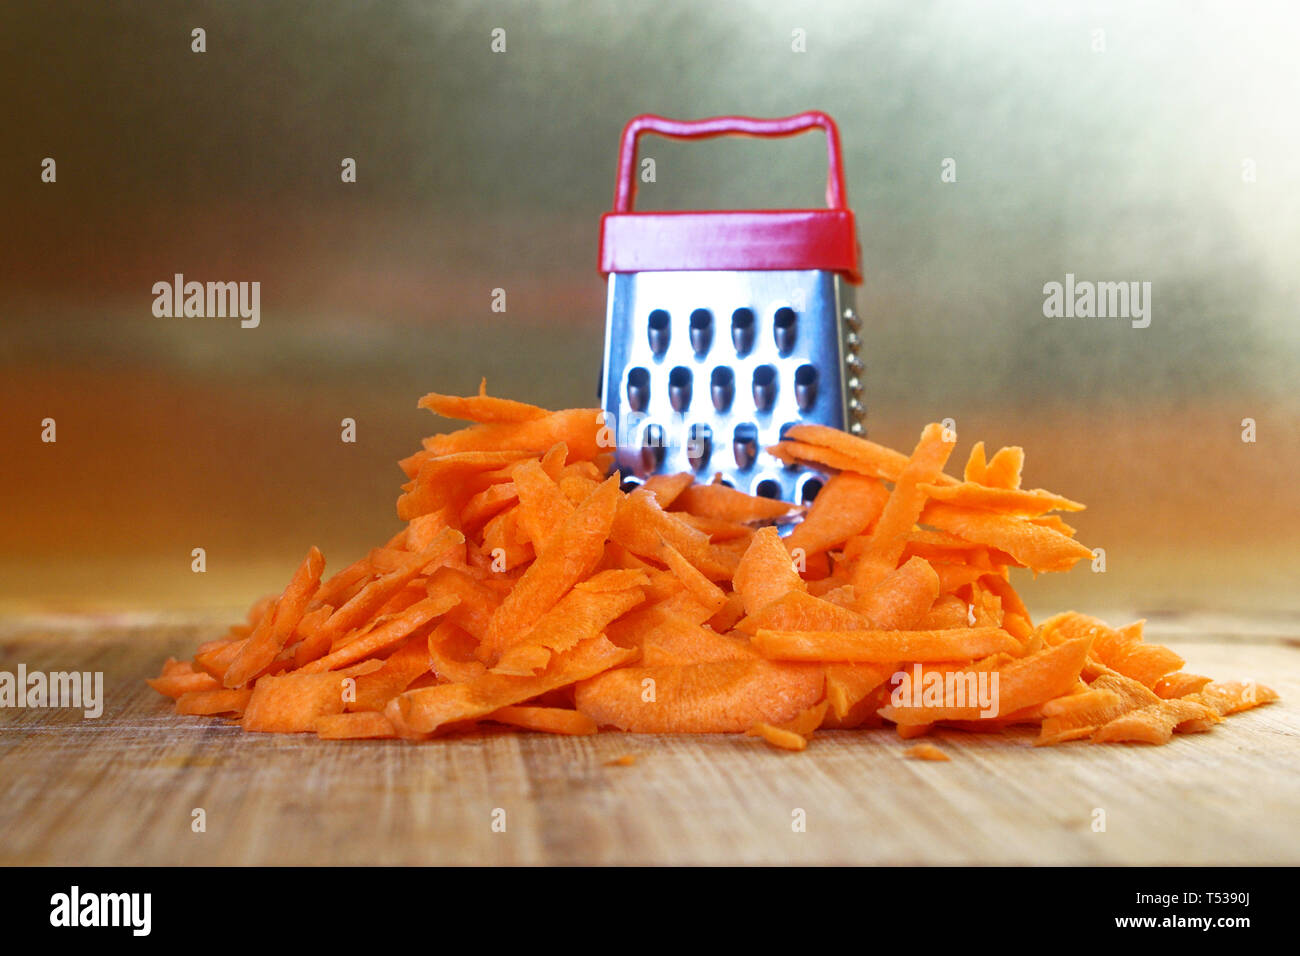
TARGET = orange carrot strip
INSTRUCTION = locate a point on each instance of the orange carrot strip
(205, 703)
(505, 539)
(641, 525)
(672, 638)
(700, 587)
(171, 667)
(447, 480)
(901, 597)
(578, 428)
(807, 720)
(926, 751)
(1154, 724)
(423, 711)
(954, 577)
(399, 602)
(713, 697)
(1004, 468)
(848, 684)
(947, 611)
(793, 734)
(1232, 696)
(396, 673)
(668, 488)
(579, 543)
(728, 504)
(800, 611)
(366, 604)
(976, 465)
(579, 615)
(1179, 685)
(481, 408)
(291, 703)
(765, 572)
(550, 720)
(577, 487)
(868, 457)
(424, 530)
(1053, 523)
(1021, 683)
(451, 652)
(542, 505)
(631, 629)
(862, 712)
(215, 657)
(716, 529)
(1003, 500)
(1000, 586)
(903, 507)
(383, 636)
(1124, 651)
(265, 643)
(879, 646)
(1079, 715)
(477, 601)
(487, 504)
(847, 505)
(778, 737)
(803, 453)
(333, 591)
(1032, 545)
(174, 685)
(728, 615)
(617, 579)
(313, 621)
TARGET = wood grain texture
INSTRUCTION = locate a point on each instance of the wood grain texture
(120, 789)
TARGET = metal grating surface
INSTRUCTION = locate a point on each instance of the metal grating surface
(705, 369)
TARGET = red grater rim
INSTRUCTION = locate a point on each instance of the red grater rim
(729, 240)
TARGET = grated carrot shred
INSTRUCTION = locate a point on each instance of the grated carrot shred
(527, 590)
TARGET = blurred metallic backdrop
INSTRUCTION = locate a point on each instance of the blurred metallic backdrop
(479, 171)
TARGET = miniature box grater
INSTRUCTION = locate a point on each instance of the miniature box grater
(723, 328)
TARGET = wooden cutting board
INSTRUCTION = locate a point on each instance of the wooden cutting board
(124, 789)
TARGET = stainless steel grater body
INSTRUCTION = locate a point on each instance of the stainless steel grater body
(705, 369)
(725, 327)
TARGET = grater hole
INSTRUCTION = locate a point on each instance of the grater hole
(679, 388)
(638, 389)
(722, 387)
(805, 387)
(742, 330)
(630, 484)
(701, 331)
(653, 446)
(785, 327)
(744, 443)
(699, 446)
(659, 331)
(764, 387)
(809, 491)
(768, 488)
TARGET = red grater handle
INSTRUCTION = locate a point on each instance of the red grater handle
(625, 190)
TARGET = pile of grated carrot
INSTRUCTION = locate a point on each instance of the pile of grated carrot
(529, 589)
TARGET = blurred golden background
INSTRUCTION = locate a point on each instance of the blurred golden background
(1162, 149)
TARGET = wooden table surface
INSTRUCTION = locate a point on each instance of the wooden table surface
(122, 789)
